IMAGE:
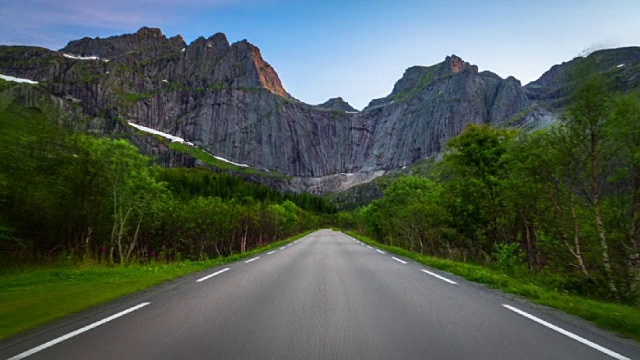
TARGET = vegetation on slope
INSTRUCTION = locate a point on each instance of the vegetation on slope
(65, 193)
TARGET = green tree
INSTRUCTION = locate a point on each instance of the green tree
(584, 124)
(474, 169)
(623, 131)
(133, 190)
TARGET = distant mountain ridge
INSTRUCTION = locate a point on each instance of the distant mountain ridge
(336, 104)
(227, 100)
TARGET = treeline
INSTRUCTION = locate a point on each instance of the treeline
(80, 196)
(562, 203)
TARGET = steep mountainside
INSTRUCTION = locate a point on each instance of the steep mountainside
(226, 100)
(620, 66)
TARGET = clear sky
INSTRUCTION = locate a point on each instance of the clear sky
(354, 49)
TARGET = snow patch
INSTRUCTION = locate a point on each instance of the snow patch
(74, 57)
(352, 112)
(229, 161)
(18, 80)
(165, 81)
(346, 174)
(619, 66)
(180, 140)
(183, 49)
(164, 135)
(392, 101)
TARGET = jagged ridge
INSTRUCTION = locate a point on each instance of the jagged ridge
(226, 99)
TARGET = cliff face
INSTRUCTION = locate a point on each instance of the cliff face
(227, 100)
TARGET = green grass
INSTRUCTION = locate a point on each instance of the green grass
(209, 159)
(519, 117)
(36, 296)
(133, 98)
(621, 319)
(4, 85)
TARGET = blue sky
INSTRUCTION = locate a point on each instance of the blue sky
(353, 49)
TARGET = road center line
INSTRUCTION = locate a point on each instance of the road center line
(567, 333)
(380, 251)
(439, 277)
(77, 332)
(271, 252)
(252, 259)
(212, 275)
(398, 260)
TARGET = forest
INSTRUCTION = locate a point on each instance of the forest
(561, 203)
(72, 195)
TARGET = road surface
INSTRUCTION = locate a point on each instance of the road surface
(326, 296)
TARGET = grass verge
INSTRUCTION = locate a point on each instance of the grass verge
(211, 160)
(624, 320)
(30, 298)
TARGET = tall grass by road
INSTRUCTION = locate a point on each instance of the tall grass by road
(30, 297)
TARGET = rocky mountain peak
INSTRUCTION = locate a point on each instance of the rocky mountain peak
(336, 104)
(454, 64)
(149, 41)
(268, 76)
(178, 40)
(150, 33)
(216, 45)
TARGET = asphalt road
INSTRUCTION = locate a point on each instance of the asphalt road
(326, 296)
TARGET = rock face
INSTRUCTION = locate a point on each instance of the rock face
(230, 102)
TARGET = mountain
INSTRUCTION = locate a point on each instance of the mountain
(229, 102)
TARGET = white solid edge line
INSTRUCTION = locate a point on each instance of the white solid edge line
(396, 259)
(271, 252)
(76, 332)
(252, 259)
(212, 275)
(380, 251)
(567, 333)
(439, 277)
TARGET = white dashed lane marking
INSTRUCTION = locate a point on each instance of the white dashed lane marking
(439, 277)
(562, 331)
(77, 332)
(212, 275)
